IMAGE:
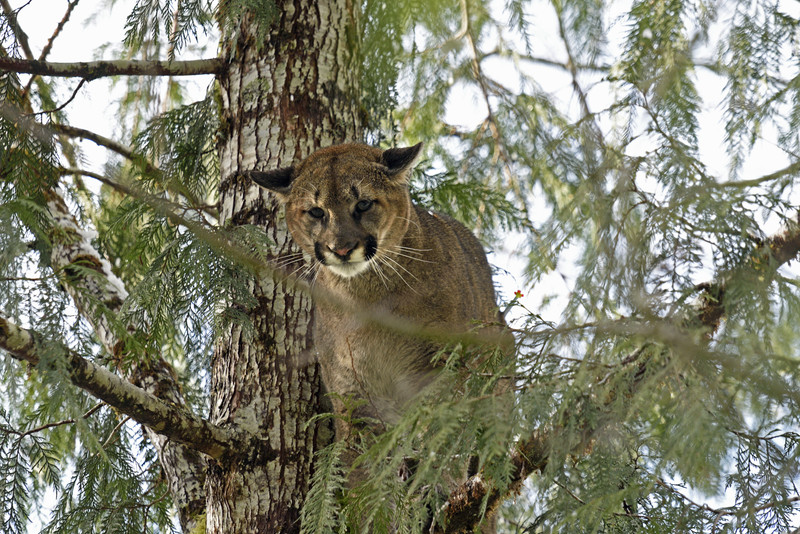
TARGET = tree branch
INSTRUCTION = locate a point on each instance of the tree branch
(572, 67)
(49, 46)
(46, 50)
(99, 69)
(22, 37)
(463, 510)
(137, 159)
(98, 297)
(105, 142)
(165, 418)
(765, 259)
(55, 424)
(208, 209)
(66, 102)
(99, 294)
(790, 169)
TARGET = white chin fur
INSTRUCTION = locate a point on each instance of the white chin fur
(348, 270)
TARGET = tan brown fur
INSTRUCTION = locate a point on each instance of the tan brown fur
(440, 278)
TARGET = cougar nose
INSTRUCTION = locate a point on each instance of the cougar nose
(344, 250)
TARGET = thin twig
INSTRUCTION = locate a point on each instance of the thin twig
(491, 120)
(727, 510)
(573, 70)
(49, 45)
(22, 37)
(46, 426)
(173, 35)
(65, 18)
(62, 106)
(546, 61)
(114, 431)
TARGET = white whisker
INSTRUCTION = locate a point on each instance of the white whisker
(292, 255)
(289, 259)
(412, 249)
(379, 272)
(415, 223)
(302, 267)
(398, 264)
(315, 274)
(399, 275)
(305, 270)
(407, 256)
(311, 270)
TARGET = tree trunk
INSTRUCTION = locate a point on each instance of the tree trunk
(281, 99)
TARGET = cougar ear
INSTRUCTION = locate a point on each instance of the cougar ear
(277, 180)
(399, 160)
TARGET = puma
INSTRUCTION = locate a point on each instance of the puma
(349, 208)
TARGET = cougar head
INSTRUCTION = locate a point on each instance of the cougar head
(345, 204)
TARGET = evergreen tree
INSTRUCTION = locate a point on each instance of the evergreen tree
(155, 336)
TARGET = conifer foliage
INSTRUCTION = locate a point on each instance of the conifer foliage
(641, 157)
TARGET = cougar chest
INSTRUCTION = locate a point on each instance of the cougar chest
(366, 361)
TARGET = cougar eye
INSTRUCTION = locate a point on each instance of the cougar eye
(363, 205)
(317, 213)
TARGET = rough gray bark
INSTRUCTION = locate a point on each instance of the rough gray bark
(281, 100)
